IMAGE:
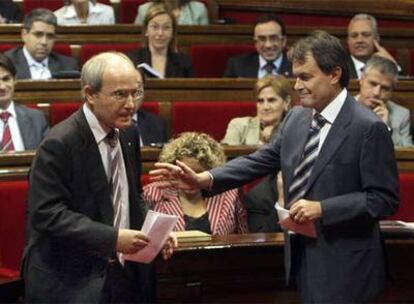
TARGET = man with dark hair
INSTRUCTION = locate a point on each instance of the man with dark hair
(376, 85)
(36, 60)
(364, 42)
(21, 128)
(269, 58)
(339, 172)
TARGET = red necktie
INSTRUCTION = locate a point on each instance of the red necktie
(7, 142)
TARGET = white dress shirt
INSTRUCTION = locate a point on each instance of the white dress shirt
(262, 62)
(359, 66)
(38, 70)
(98, 13)
(14, 128)
(105, 150)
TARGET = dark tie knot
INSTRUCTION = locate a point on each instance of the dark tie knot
(4, 116)
(112, 138)
(318, 121)
(269, 67)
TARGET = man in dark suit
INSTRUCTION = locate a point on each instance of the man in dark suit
(23, 128)
(36, 60)
(84, 201)
(339, 171)
(151, 127)
(364, 42)
(270, 42)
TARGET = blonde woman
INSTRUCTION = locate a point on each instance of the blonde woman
(160, 30)
(220, 214)
(273, 95)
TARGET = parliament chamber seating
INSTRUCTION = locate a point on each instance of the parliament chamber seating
(207, 116)
(209, 60)
(90, 49)
(29, 5)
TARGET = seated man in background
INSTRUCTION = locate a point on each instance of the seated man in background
(363, 42)
(21, 128)
(376, 85)
(270, 41)
(36, 60)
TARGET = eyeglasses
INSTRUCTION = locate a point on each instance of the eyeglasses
(40, 35)
(122, 95)
(271, 38)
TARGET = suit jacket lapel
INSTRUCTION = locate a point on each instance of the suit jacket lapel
(333, 141)
(25, 126)
(22, 65)
(94, 166)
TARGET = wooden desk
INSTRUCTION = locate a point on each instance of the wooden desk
(249, 268)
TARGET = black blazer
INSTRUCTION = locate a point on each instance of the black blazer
(152, 128)
(70, 233)
(178, 65)
(352, 70)
(259, 203)
(247, 66)
(57, 63)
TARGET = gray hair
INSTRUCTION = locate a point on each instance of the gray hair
(39, 14)
(371, 19)
(94, 68)
(382, 65)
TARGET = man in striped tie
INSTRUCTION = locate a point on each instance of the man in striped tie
(339, 171)
(85, 209)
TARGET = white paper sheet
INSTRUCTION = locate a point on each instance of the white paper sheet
(307, 228)
(157, 226)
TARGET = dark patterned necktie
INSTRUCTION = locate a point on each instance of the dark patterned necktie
(310, 153)
(7, 142)
(269, 67)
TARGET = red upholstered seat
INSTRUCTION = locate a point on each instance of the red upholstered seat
(209, 60)
(151, 106)
(63, 49)
(61, 111)
(406, 210)
(29, 5)
(128, 10)
(89, 50)
(210, 117)
(7, 46)
(12, 225)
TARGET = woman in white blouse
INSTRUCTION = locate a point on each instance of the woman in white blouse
(85, 12)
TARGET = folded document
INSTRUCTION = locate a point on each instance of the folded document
(307, 228)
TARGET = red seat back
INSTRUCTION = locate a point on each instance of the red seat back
(128, 10)
(89, 50)
(209, 60)
(406, 210)
(151, 106)
(61, 111)
(12, 222)
(210, 117)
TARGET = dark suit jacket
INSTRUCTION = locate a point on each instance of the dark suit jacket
(247, 66)
(178, 65)
(152, 128)
(57, 63)
(11, 11)
(355, 177)
(259, 203)
(32, 124)
(70, 214)
(352, 70)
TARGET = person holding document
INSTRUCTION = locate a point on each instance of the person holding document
(84, 203)
(339, 171)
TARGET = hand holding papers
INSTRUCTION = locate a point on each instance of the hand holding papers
(157, 226)
(307, 228)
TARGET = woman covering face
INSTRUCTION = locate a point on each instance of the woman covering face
(272, 94)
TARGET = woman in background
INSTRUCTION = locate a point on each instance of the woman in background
(85, 12)
(273, 95)
(186, 12)
(220, 214)
(160, 30)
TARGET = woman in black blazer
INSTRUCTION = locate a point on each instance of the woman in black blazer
(160, 29)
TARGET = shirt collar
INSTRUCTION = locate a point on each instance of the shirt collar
(11, 109)
(98, 130)
(277, 62)
(70, 11)
(331, 111)
(32, 62)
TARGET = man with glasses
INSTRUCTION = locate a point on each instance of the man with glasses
(84, 199)
(269, 58)
(363, 43)
(36, 60)
(376, 85)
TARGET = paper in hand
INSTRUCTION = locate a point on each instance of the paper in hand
(157, 226)
(307, 228)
